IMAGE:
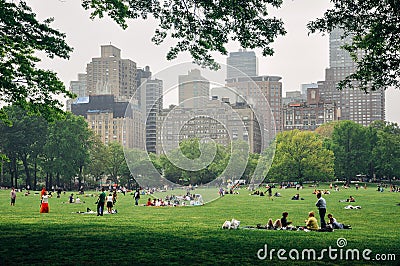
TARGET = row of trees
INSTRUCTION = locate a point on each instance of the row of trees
(65, 153)
(61, 153)
(343, 150)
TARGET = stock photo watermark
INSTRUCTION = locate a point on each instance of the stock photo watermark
(236, 115)
(338, 252)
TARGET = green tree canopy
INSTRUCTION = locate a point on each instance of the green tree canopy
(375, 27)
(114, 161)
(192, 149)
(200, 27)
(67, 149)
(386, 151)
(21, 37)
(300, 156)
(351, 148)
(22, 138)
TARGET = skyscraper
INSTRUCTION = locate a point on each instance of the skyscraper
(241, 64)
(110, 74)
(194, 89)
(353, 104)
(77, 87)
(264, 93)
(151, 95)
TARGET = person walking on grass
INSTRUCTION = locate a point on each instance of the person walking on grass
(321, 205)
(136, 196)
(100, 202)
(13, 196)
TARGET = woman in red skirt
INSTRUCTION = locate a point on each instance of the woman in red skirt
(44, 206)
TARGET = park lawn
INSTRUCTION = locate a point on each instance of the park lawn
(190, 235)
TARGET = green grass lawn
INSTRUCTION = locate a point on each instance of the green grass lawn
(191, 235)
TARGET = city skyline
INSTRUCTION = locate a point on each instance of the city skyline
(303, 63)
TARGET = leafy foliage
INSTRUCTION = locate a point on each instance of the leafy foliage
(22, 139)
(67, 149)
(114, 161)
(21, 82)
(300, 156)
(386, 151)
(350, 147)
(199, 26)
(375, 27)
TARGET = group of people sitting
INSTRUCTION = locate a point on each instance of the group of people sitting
(350, 199)
(159, 202)
(311, 224)
(325, 192)
(167, 203)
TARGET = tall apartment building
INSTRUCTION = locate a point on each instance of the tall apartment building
(219, 121)
(110, 74)
(264, 93)
(241, 64)
(151, 104)
(353, 104)
(194, 90)
(112, 121)
(141, 74)
(77, 87)
(309, 114)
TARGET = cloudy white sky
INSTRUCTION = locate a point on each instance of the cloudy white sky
(299, 58)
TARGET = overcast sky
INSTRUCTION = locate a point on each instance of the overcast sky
(299, 58)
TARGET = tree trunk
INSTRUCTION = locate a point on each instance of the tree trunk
(58, 180)
(47, 180)
(35, 176)
(12, 171)
(26, 168)
(80, 176)
(15, 173)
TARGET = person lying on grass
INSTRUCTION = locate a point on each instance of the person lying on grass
(334, 224)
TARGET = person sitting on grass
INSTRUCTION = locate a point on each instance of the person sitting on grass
(149, 203)
(296, 197)
(284, 221)
(351, 199)
(71, 198)
(335, 224)
(277, 225)
(311, 222)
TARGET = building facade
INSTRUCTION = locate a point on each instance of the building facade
(194, 90)
(219, 121)
(77, 87)
(121, 122)
(151, 95)
(242, 64)
(110, 74)
(264, 93)
(294, 96)
(353, 104)
(310, 114)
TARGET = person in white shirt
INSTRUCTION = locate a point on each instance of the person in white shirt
(44, 206)
(109, 200)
